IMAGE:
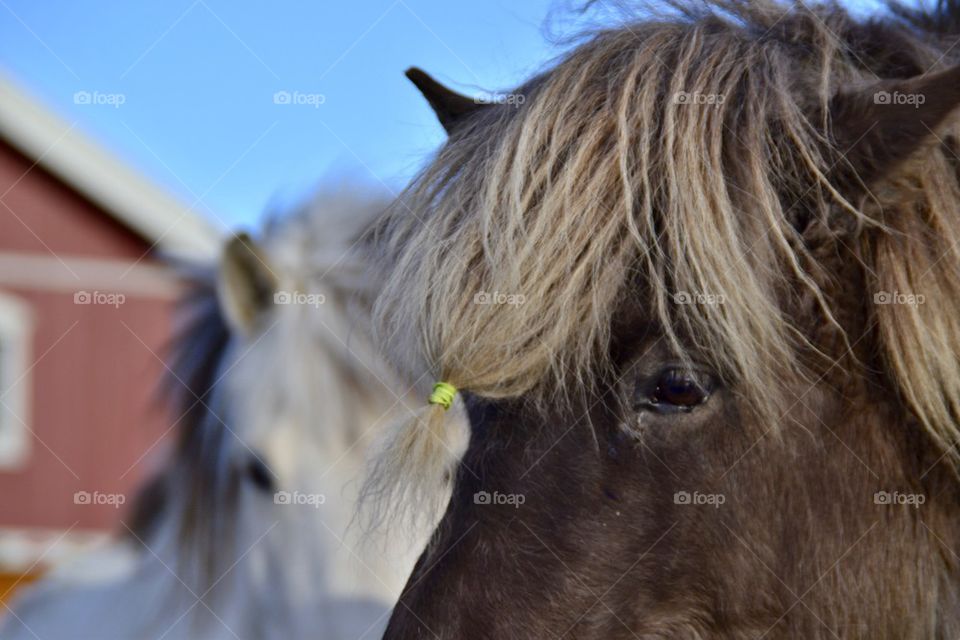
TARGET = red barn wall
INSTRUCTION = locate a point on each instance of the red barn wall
(92, 404)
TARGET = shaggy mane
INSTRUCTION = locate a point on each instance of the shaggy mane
(613, 181)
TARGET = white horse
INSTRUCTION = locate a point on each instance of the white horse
(247, 532)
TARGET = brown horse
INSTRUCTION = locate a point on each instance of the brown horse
(700, 292)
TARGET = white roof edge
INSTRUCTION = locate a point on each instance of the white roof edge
(124, 193)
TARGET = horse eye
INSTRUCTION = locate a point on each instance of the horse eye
(676, 389)
(260, 475)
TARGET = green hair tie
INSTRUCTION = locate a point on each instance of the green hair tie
(442, 395)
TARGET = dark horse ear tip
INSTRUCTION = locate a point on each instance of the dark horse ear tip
(424, 82)
(449, 105)
(415, 73)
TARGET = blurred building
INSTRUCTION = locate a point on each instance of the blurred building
(85, 318)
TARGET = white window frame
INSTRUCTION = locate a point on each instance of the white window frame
(16, 335)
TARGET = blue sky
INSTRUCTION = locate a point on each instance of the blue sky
(197, 80)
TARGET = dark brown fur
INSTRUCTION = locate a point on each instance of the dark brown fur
(800, 548)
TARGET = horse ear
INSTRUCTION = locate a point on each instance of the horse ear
(879, 126)
(449, 105)
(245, 283)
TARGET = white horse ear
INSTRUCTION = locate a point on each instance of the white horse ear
(245, 283)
